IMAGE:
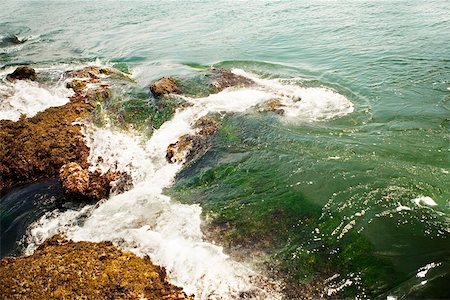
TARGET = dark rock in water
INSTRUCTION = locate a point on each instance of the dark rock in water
(164, 86)
(223, 79)
(22, 73)
(207, 126)
(82, 184)
(189, 147)
(63, 269)
(10, 40)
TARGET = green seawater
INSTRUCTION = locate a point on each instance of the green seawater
(312, 203)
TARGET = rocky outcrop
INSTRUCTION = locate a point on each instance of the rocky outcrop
(36, 148)
(22, 73)
(81, 183)
(211, 81)
(190, 147)
(223, 78)
(77, 85)
(164, 86)
(91, 72)
(62, 269)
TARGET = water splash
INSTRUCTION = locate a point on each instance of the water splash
(29, 98)
(147, 222)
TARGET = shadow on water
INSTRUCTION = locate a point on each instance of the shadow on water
(23, 205)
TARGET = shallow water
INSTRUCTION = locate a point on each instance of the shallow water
(309, 197)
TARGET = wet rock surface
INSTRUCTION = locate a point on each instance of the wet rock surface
(62, 269)
(190, 147)
(208, 82)
(223, 78)
(80, 183)
(36, 148)
(164, 86)
(91, 72)
(22, 73)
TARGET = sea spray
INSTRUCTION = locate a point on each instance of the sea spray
(29, 98)
(147, 222)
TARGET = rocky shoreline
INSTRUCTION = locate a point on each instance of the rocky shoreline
(50, 145)
(63, 269)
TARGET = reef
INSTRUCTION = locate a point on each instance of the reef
(63, 269)
(37, 147)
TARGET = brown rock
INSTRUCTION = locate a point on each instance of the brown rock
(82, 184)
(92, 72)
(76, 85)
(189, 147)
(35, 148)
(74, 179)
(22, 73)
(164, 86)
(62, 269)
(206, 126)
(223, 79)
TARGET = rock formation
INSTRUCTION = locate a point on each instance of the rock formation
(37, 147)
(211, 81)
(80, 183)
(223, 78)
(22, 73)
(164, 86)
(189, 147)
(62, 269)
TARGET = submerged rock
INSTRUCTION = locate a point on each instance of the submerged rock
(22, 73)
(9, 40)
(63, 269)
(164, 86)
(189, 147)
(273, 105)
(211, 81)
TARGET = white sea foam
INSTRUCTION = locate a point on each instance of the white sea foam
(422, 272)
(422, 200)
(147, 222)
(29, 98)
(302, 103)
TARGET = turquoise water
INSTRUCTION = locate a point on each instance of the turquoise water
(284, 192)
